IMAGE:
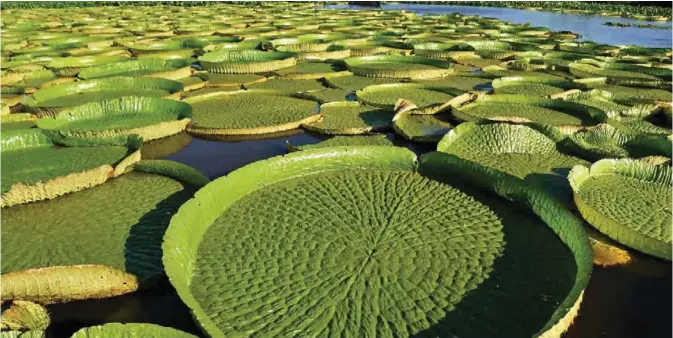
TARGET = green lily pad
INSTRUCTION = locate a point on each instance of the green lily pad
(350, 118)
(167, 69)
(71, 66)
(605, 101)
(132, 217)
(528, 152)
(288, 86)
(328, 95)
(246, 61)
(432, 98)
(398, 67)
(313, 70)
(249, 112)
(31, 161)
(606, 141)
(519, 108)
(359, 253)
(464, 83)
(53, 99)
(353, 83)
(132, 330)
(422, 127)
(351, 140)
(591, 69)
(627, 200)
(151, 118)
(531, 85)
(231, 80)
(632, 96)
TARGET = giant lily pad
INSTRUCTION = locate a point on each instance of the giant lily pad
(132, 330)
(37, 167)
(428, 97)
(627, 200)
(55, 98)
(307, 42)
(288, 86)
(251, 258)
(351, 140)
(465, 83)
(132, 218)
(353, 83)
(632, 96)
(531, 85)
(592, 68)
(313, 70)
(249, 112)
(606, 141)
(167, 69)
(17, 121)
(525, 151)
(149, 117)
(246, 61)
(71, 66)
(350, 118)
(398, 67)
(605, 101)
(519, 108)
(231, 80)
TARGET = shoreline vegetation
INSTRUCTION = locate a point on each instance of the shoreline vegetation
(626, 24)
(648, 11)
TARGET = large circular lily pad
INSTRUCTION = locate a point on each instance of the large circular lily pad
(71, 66)
(149, 117)
(354, 234)
(249, 112)
(519, 108)
(432, 98)
(246, 61)
(166, 69)
(132, 330)
(49, 100)
(525, 151)
(350, 118)
(120, 223)
(398, 67)
(627, 200)
(37, 167)
(353, 82)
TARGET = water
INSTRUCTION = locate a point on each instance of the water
(589, 26)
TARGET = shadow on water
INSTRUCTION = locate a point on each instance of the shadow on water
(215, 158)
(614, 292)
(158, 304)
(142, 250)
(531, 277)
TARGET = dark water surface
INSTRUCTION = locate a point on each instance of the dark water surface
(619, 302)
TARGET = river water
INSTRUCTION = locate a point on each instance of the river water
(589, 26)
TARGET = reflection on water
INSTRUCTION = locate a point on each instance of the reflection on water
(217, 158)
(589, 26)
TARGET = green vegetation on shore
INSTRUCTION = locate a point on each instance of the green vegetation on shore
(626, 24)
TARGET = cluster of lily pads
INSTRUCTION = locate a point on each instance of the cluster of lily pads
(538, 138)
